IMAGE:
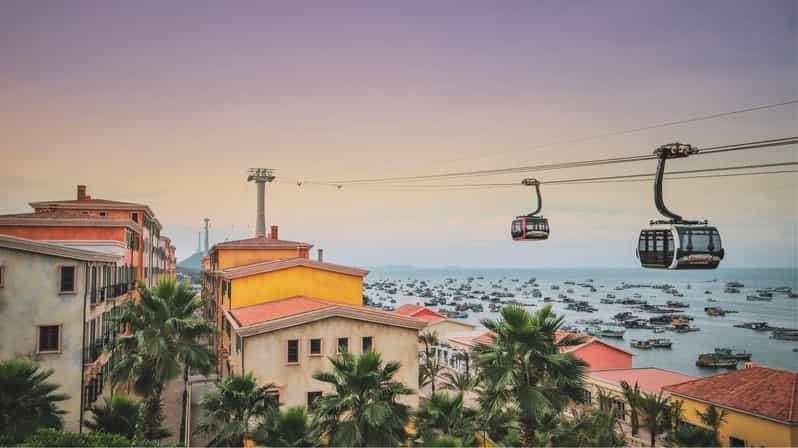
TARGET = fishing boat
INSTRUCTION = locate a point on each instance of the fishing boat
(715, 361)
(714, 311)
(606, 332)
(726, 352)
(758, 299)
(734, 285)
(730, 290)
(644, 345)
(659, 330)
(661, 343)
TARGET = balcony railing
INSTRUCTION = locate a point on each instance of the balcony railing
(100, 295)
(92, 352)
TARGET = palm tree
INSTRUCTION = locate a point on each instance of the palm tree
(632, 397)
(654, 410)
(446, 415)
(677, 409)
(364, 409)
(593, 427)
(524, 367)
(285, 429)
(431, 365)
(714, 418)
(119, 415)
(28, 401)
(458, 381)
(163, 339)
(234, 408)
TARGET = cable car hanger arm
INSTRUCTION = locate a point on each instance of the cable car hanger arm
(534, 182)
(663, 153)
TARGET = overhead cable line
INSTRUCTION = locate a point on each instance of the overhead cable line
(770, 143)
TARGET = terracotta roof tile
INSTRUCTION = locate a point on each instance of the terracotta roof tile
(649, 379)
(260, 242)
(757, 390)
(420, 312)
(276, 265)
(487, 338)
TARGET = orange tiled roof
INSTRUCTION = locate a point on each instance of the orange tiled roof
(420, 312)
(487, 338)
(650, 379)
(772, 393)
(299, 310)
(260, 242)
(276, 265)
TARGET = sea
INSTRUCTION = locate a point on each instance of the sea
(697, 286)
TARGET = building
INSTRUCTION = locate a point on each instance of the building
(86, 219)
(762, 405)
(284, 342)
(436, 322)
(57, 303)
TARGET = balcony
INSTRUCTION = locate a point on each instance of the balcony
(92, 352)
(100, 295)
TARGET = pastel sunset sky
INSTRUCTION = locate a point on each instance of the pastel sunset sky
(169, 103)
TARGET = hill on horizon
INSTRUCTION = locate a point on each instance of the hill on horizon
(192, 263)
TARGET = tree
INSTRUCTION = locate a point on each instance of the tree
(364, 409)
(593, 427)
(234, 408)
(654, 409)
(28, 401)
(285, 429)
(677, 409)
(524, 367)
(119, 415)
(714, 418)
(458, 381)
(431, 365)
(163, 339)
(446, 415)
(632, 397)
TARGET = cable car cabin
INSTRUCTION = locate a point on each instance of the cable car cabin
(529, 228)
(680, 246)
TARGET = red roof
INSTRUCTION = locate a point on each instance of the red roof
(772, 393)
(420, 312)
(649, 379)
(260, 242)
(487, 338)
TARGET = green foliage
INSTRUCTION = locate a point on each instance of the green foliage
(430, 367)
(632, 397)
(458, 381)
(445, 415)
(234, 408)
(714, 418)
(119, 415)
(28, 401)
(654, 410)
(694, 436)
(524, 368)
(364, 409)
(165, 331)
(589, 428)
(51, 437)
(285, 429)
(445, 441)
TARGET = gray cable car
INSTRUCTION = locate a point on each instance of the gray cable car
(530, 227)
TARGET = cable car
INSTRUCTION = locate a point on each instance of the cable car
(530, 227)
(677, 243)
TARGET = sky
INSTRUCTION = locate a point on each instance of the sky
(169, 103)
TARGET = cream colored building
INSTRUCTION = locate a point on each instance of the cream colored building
(56, 304)
(285, 342)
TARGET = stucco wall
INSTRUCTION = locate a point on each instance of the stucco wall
(754, 430)
(29, 298)
(297, 281)
(447, 328)
(265, 355)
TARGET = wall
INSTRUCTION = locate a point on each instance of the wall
(30, 297)
(239, 257)
(600, 356)
(65, 233)
(754, 430)
(265, 355)
(447, 328)
(297, 281)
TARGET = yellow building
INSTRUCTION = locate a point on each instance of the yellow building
(761, 405)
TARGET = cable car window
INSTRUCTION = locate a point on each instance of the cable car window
(516, 229)
(700, 240)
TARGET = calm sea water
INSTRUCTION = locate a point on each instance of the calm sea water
(715, 331)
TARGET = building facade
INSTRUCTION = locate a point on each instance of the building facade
(58, 303)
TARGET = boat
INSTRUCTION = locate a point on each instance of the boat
(734, 285)
(729, 353)
(660, 343)
(714, 311)
(758, 299)
(644, 345)
(676, 304)
(785, 335)
(715, 361)
(606, 332)
(659, 330)
(730, 290)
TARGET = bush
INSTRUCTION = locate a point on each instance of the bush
(445, 441)
(689, 435)
(51, 437)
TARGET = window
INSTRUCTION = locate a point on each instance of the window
(587, 397)
(312, 397)
(366, 343)
(67, 279)
(315, 347)
(102, 213)
(292, 352)
(734, 441)
(238, 344)
(49, 338)
(343, 345)
(134, 216)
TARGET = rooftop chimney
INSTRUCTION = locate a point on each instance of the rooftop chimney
(274, 235)
(321, 255)
(82, 193)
